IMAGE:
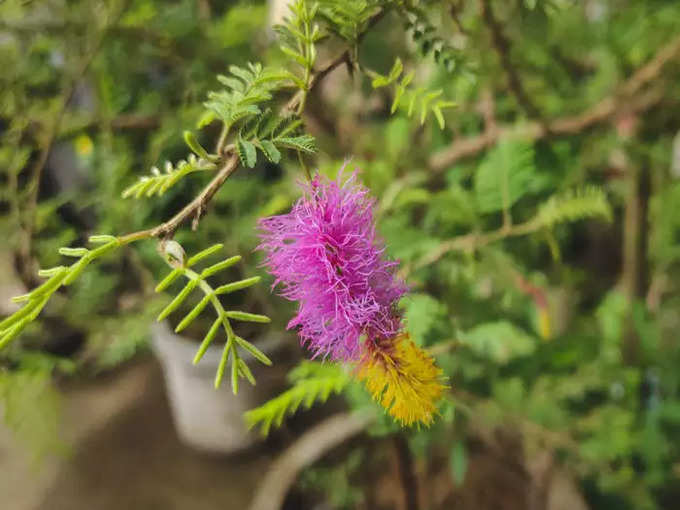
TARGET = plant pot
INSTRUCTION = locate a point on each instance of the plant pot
(205, 418)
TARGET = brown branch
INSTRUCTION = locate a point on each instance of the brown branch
(502, 46)
(628, 98)
(24, 255)
(455, 16)
(132, 121)
(469, 242)
(197, 206)
(404, 467)
(306, 450)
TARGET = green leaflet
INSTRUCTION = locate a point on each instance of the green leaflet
(575, 205)
(35, 300)
(233, 342)
(312, 382)
(413, 99)
(504, 176)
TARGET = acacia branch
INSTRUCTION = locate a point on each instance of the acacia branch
(197, 206)
(629, 98)
(344, 58)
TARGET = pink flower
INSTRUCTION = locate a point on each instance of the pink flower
(326, 256)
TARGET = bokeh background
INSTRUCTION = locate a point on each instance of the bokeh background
(538, 229)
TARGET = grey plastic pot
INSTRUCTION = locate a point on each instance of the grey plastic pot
(209, 419)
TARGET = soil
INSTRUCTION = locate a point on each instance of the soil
(125, 454)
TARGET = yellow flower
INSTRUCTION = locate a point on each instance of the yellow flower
(84, 145)
(404, 379)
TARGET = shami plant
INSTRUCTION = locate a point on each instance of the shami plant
(482, 131)
(324, 252)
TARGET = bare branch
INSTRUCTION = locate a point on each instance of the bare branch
(629, 98)
(502, 46)
(27, 267)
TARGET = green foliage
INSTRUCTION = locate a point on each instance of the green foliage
(116, 340)
(348, 18)
(504, 176)
(245, 90)
(429, 42)
(312, 382)
(499, 342)
(182, 267)
(476, 286)
(298, 36)
(459, 462)
(159, 182)
(31, 405)
(35, 300)
(270, 134)
(665, 224)
(338, 483)
(574, 205)
(411, 98)
(422, 312)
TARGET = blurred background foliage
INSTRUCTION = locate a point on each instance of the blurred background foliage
(564, 331)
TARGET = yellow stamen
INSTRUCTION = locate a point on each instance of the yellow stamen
(403, 379)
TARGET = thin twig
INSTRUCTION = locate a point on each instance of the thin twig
(344, 57)
(470, 242)
(199, 204)
(35, 174)
(404, 467)
(196, 206)
(628, 98)
(502, 46)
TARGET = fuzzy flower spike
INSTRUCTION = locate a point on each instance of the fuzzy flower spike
(403, 379)
(326, 256)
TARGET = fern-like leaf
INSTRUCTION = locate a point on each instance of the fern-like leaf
(347, 18)
(57, 277)
(302, 143)
(182, 267)
(312, 382)
(159, 182)
(425, 36)
(245, 90)
(270, 133)
(246, 152)
(412, 99)
(574, 205)
(298, 35)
